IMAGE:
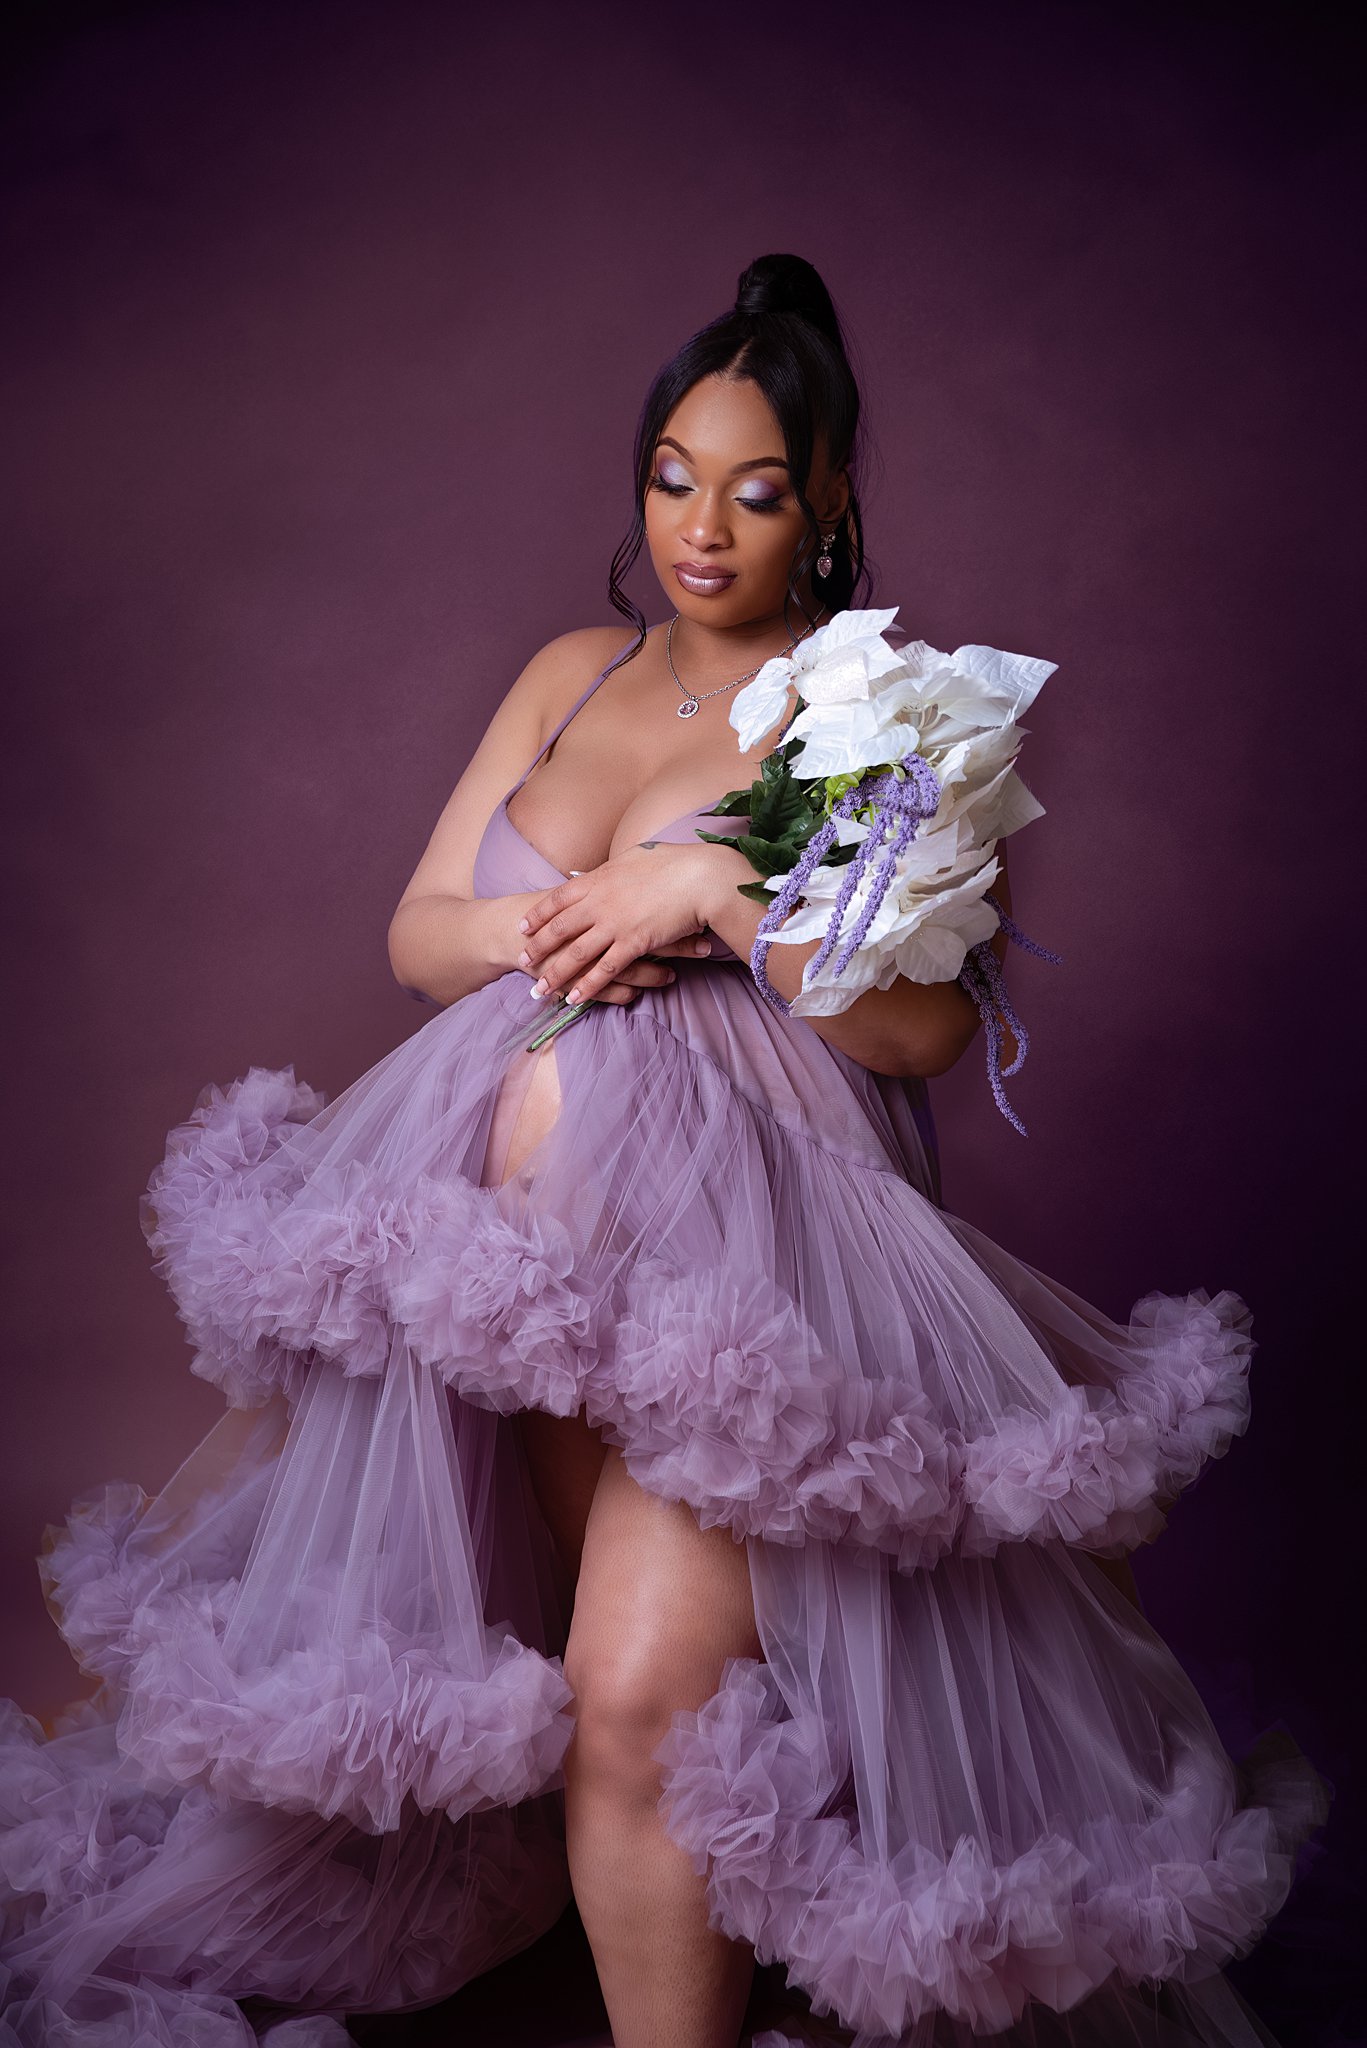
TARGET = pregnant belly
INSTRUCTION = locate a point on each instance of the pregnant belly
(528, 1104)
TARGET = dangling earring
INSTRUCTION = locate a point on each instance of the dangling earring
(823, 560)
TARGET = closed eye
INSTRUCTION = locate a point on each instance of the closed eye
(679, 490)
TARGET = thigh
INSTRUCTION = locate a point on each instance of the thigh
(660, 1602)
(564, 1458)
(563, 1454)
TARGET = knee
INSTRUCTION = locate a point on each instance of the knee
(621, 1713)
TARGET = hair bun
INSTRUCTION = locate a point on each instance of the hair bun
(788, 284)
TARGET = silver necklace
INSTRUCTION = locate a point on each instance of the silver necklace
(693, 698)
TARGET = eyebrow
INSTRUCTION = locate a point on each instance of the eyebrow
(760, 461)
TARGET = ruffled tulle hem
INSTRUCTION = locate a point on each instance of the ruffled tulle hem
(1206, 2013)
(323, 1771)
(352, 1729)
(109, 2013)
(882, 1942)
(965, 1421)
(135, 1917)
(355, 1719)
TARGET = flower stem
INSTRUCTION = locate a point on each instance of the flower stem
(568, 1016)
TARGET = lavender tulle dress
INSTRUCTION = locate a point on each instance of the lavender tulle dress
(967, 1792)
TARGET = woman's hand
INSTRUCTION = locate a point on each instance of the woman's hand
(596, 932)
(631, 980)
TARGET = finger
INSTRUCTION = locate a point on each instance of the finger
(567, 928)
(585, 985)
(564, 928)
(647, 973)
(571, 962)
(694, 946)
(617, 992)
(548, 905)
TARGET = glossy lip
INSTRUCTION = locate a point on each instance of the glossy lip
(692, 575)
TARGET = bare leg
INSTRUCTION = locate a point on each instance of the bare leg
(564, 1456)
(660, 1605)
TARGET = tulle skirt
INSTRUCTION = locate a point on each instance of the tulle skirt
(966, 1790)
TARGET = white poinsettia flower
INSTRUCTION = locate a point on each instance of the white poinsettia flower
(929, 864)
(923, 934)
(866, 732)
(935, 704)
(1013, 805)
(866, 706)
(969, 705)
(974, 688)
(937, 926)
(957, 850)
(757, 708)
(846, 658)
(990, 805)
(840, 662)
(1014, 679)
(849, 831)
(972, 765)
(958, 844)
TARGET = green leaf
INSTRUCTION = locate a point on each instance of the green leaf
(837, 785)
(781, 808)
(735, 803)
(770, 857)
(783, 811)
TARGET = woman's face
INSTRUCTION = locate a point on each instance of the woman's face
(722, 523)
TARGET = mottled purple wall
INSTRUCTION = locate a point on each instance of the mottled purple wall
(327, 328)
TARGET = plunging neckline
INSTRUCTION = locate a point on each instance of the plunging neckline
(544, 750)
(703, 810)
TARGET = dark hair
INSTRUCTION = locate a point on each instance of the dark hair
(783, 335)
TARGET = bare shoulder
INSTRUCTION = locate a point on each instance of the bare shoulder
(557, 672)
(544, 689)
(587, 640)
(530, 709)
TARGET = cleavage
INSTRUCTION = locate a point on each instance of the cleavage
(535, 833)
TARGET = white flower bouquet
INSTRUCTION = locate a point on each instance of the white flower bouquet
(874, 824)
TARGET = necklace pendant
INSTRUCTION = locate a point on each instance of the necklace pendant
(688, 707)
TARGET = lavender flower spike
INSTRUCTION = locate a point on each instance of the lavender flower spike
(982, 977)
(787, 896)
(907, 803)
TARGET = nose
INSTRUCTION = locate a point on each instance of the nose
(705, 526)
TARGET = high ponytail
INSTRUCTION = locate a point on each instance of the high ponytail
(783, 334)
(788, 284)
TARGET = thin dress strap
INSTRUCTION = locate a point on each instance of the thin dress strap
(551, 739)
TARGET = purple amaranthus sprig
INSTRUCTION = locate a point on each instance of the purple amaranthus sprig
(982, 976)
(904, 803)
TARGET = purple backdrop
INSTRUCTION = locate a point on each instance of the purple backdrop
(327, 331)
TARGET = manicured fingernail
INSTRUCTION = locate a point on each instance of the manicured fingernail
(704, 945)
(574, 996)
(524, 924)
(539, 987)
(524, 959)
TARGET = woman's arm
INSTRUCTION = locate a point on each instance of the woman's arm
(580, 932)
(911, 1028)
(444, 942)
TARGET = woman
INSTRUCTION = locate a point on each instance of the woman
(636, 1483)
